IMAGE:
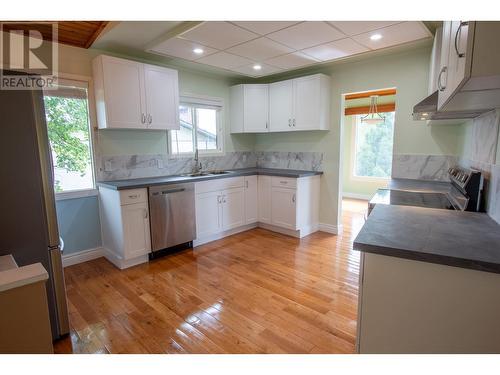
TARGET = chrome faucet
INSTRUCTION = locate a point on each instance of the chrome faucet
(197, 165)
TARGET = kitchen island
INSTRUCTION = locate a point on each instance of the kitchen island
(429, 281)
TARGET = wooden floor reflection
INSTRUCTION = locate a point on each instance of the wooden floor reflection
(254, 292)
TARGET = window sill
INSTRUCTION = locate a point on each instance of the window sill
(201, 154)
(370, 179)
(76, 194)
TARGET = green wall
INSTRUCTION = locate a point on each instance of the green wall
(408, 73)
(117, 142)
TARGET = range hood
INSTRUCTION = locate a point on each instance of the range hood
(427, 110)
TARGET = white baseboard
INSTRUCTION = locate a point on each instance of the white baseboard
(329, 228)
(274, 228)
(226, 233)
(363, 197)
(124, 263)
(82, 256)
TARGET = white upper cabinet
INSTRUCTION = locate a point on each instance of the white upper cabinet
(162, 97)
(131, 95)
(250, 109)
(281, 106)
(469, 78)
(296, 104)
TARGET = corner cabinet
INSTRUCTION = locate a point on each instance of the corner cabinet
(132, 95)
(125, 226)
(292, 105)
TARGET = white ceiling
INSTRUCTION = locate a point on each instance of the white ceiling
(280, 46)
(233, 48)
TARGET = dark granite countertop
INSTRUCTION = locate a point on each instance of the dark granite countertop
(453, 238)
(165, 180)
(419, 185)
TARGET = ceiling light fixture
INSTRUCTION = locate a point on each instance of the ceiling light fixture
(257, 67)
(373, 117)
(376, 37)
(198, 51)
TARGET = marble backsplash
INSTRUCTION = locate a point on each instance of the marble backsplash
(422, 167)
(122, 167)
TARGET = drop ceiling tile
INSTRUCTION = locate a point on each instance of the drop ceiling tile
(260, 49)
(250, 71)
(264, 27)
(224, 60)
(359, 27)
(292, 60)
(182, 48)
(306, 34)
(335, 50)
(393, 35)
(218, 34)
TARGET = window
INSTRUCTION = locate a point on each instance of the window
(67, 115)
(373, 147)
(200, 125)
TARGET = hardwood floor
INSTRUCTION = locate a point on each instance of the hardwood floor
(254, 292)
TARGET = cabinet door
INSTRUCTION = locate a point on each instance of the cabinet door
(124, 93)
(283, 207)
(233, 208)
(255, 108)
(162, 97)
(208, 214)
(251, 208)
(306, 100)
(444, 73)
(280, 106)
(264, 197)
(458, 54)
(137, 240)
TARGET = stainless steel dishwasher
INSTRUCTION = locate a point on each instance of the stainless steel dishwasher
(172, 215)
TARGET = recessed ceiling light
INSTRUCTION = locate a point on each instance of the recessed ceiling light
(257, 67)
(376, 37)
(198, 51)
(425, 114)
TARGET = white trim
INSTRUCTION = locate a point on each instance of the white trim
(121, 263)
(329, 228)
(218, 236)
(82, 256)
(364, 197)
(64, 195)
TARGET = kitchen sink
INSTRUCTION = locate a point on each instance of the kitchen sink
(197, 174)
(218, 172)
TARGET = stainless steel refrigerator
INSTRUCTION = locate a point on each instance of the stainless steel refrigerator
(28, 221)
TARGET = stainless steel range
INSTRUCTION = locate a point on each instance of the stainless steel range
(463, 194)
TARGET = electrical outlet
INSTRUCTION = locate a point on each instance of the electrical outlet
(159, 163)
(108, 167)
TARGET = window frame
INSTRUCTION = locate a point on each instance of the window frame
(201, 101)
(85, 82)
(352, 167)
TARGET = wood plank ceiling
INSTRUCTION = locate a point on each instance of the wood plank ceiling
(74, 33)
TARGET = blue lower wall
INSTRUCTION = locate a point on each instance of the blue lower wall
(79, 223)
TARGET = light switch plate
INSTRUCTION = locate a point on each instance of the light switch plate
(159, 163)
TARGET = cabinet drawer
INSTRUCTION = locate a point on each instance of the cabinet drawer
(219, 184)
(285, 182)
(133, 196)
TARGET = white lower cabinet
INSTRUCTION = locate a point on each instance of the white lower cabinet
(251, 199)
(233, 208)
(264, 199)
(283, 208)
(208, 214)
(125, 226)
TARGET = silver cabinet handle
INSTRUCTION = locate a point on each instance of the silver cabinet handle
(283, 182)
(143, 118)
(293, 198)
(290, 122)
(224, 199)
(246, 184)
(293, 122)
(266, 124)
(133, 196)
(219, 199)
(440, 86)
(457, 34)
(145, 214)
(150, 118)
